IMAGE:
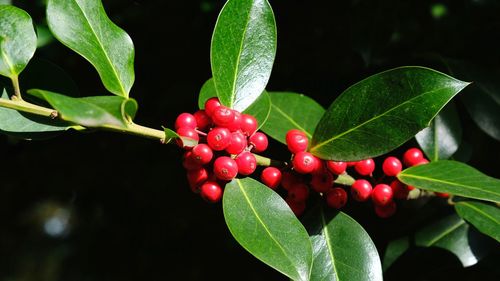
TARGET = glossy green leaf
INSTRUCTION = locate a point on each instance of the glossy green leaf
(261, 221)
(442, 139)
(84, 27)
(44, 35)
(171, 135)
(91, 111)
(485, 217)
(17, 40)
(381, 112)
(394, 250)
(292, 111)
(342, 249)
(242, 51)
(452, 177)
(207, 91)
(455, 235)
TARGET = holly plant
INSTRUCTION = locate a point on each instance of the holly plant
(286, 212)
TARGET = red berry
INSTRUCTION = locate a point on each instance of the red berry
(187, 133)
(336, 168)
(222, 116)
(219, 138)
(422, 162)
(412, 156)
(387, 210)
(202, 154)
(382, 194)
(304, 162)
(211, 104)
(202, 119)
(235, 125)
(296, 141)
(298, 207)
(361, 190)
(298, 192)
(238, 143)
(188, 161)
(399, 189)
(211, 191)
(442, 195)
(288, 179)
(246, 163)
(336, 198)
(259, 142)
(196, 178)
(392, 166)
(271, 177)
(322, 182)
(248, 124)
(365, 167)
(185, 120)
(225, 168)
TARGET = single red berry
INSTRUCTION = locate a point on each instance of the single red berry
(288, 179)
(361, 190)
(297, 207)
(304, 162)
(248, 124)
(382, 194)
(219, 138)
(271, 177)
(222, 116)
(298, 192)
(399, 189)
(187, 133)
(211, 191)
(188, 161)
(365, 167)
(422, 162)
(320, 167)
(336, 168)
(392, 166)
(202, 120)
(412, 156)
(387, 210)
(235, 125)
(246, 163)
(442, 195)
(210, 105)
(259, 142)
(296, 141)
(225, 168)
(196, 178)
(336, 198)
(322, 182)
(238, 143)
(202, 154)
(185, 120)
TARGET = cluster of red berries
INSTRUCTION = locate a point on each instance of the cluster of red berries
(225, 141)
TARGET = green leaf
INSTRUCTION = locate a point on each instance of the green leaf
(171, 135)
(455, 235)
(394, 250)
(381, 112)
(207, 91)
(84, 27)
(261, 221)
(17, 40)
(342, 249)
(292, 111)
(97, 111)
(442, 139)
(28, 126)
(485, 217)
(242, 51)
(452, 177)
(45, 37)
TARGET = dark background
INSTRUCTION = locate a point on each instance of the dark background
(124, 207)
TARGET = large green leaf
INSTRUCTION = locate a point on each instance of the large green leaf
(442, 139)
(261, 221)
(292, 111)
(455, 235)
(394, 250)
(382, 112)
(84, 27)
(485, 217)
(207, 91)
(17, 40)
(342, 249)
(242, 51)
(91, 111)
(452, 177)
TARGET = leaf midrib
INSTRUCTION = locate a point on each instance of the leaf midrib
(240, 186)
(124, 93)
(329, 246)
(445, 233)
(6, 58)
(289, 118)
(479, 211)
(315, 147)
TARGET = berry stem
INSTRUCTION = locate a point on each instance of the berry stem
(201, 133)
(266, 162)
